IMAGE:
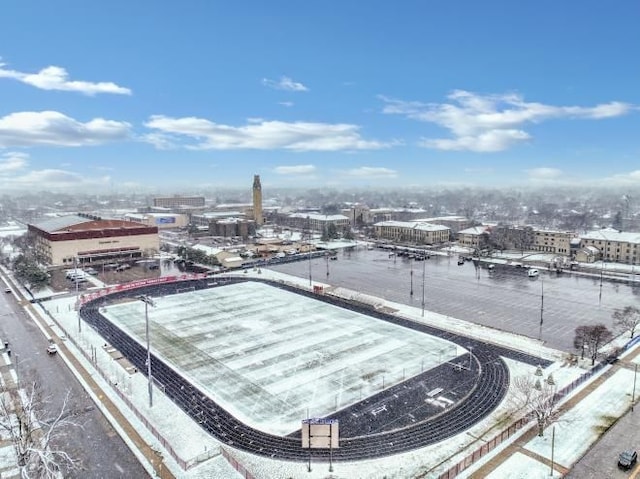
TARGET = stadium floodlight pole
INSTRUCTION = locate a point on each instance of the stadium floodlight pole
(75, 280)
(148, 301)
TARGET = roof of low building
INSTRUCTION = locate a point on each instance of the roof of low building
(319, 217)
(475, 230)
(68, 223)
(609, 234)
(412, 225)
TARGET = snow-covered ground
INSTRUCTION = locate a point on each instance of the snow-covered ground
(575, 431)
(192, 445)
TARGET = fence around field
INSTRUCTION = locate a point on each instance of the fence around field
(166, 444)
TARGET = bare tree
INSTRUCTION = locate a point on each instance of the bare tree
(537, 397)
(580, 340)
(591, 337)
(34, 434)
(627, 318)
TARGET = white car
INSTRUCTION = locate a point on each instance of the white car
(52, 348)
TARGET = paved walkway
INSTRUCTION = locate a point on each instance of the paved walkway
(519, 445)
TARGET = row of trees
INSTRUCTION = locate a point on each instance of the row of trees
(27, 269)
(331, 232)
(591, 338)
(197, 256)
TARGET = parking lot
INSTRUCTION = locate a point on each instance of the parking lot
(110, 274)
(505, 298)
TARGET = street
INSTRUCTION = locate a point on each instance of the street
(101, 451)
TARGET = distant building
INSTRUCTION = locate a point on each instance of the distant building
(454, 223)
(412, 232)
(257, 201)
(91, 239)
(613, 245)
(231, 227)
(315, 221)
(179, 201)
(225, 223)
(161, 220)
(474, 237)
(558, 242)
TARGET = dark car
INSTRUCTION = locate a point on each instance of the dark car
(627, 459)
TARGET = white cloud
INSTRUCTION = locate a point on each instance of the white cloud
(51, 128)
(623, 179)
(258, 135)
(295, 170)
(57, 78)
(13, 161)
(371, 172)
(544, 174)
(495, 140)
(51, 179)
(285, 83)
(487, 123)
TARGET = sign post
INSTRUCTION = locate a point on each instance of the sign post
(320, 433)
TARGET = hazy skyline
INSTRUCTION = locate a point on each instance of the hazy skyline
(157, 95)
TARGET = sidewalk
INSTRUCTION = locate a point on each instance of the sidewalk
(519, 445)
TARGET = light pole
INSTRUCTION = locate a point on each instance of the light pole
(148, 301)
(541, 307)
(411, 265)
(309, 248)
(424, 270)
(601, 274)
(553, 443)
(633, 394)
(327, 258)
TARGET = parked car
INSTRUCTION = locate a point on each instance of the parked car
(532, 273)
(7, 290)
(52, 348)
(627, 459)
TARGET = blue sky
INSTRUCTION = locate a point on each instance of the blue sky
(203, 94)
